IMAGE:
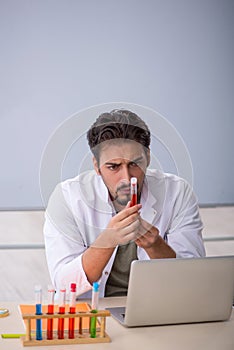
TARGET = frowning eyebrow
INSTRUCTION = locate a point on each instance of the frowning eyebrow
(112, 163)
(136, 160)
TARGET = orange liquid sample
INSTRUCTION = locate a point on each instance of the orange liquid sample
(50, 322)
(61, 323)
(71, 327)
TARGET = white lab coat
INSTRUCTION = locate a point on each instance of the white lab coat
(80, 208)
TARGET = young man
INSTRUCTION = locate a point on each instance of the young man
(92, 233)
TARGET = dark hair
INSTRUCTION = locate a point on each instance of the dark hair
(117, 124)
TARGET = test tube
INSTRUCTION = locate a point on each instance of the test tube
(50, 312)
(94, 306)
(95, 296)
(133, 191)
(38, 300)
(62, 299)
(72, 310)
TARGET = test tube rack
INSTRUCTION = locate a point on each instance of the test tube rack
(82, 336)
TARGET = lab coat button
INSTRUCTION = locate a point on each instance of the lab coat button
(106, 273)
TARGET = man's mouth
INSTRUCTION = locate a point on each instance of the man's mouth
(123, 190)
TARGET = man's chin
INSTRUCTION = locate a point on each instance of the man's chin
(123, 200)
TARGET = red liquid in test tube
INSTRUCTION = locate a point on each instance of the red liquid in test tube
(72, 310)
(62, 300)
(133, 190)
(50, 311)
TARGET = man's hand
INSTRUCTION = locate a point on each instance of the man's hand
(152, 242)
(147, 236)
(122, 228)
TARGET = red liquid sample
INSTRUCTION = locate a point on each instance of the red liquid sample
(61, 323)
(71, 327)
(133, 199)
(50, 322)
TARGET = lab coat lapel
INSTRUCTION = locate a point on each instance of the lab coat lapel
(148, 201)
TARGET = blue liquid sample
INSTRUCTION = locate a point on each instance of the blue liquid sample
(38, 323)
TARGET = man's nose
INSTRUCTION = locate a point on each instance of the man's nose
(125, 174)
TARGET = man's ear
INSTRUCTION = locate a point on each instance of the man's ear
(95, 165)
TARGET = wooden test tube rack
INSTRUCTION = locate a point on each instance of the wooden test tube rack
(82, 336)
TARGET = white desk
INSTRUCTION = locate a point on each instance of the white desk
(202, 336)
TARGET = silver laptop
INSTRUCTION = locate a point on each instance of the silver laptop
(171, 291)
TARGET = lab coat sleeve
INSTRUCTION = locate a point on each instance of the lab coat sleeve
(185, 231)
(64, 244)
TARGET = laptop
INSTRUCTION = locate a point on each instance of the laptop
(172, 291)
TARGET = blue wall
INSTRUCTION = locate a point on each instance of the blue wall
(59, 57)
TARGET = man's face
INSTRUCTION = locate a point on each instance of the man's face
(118, 162)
